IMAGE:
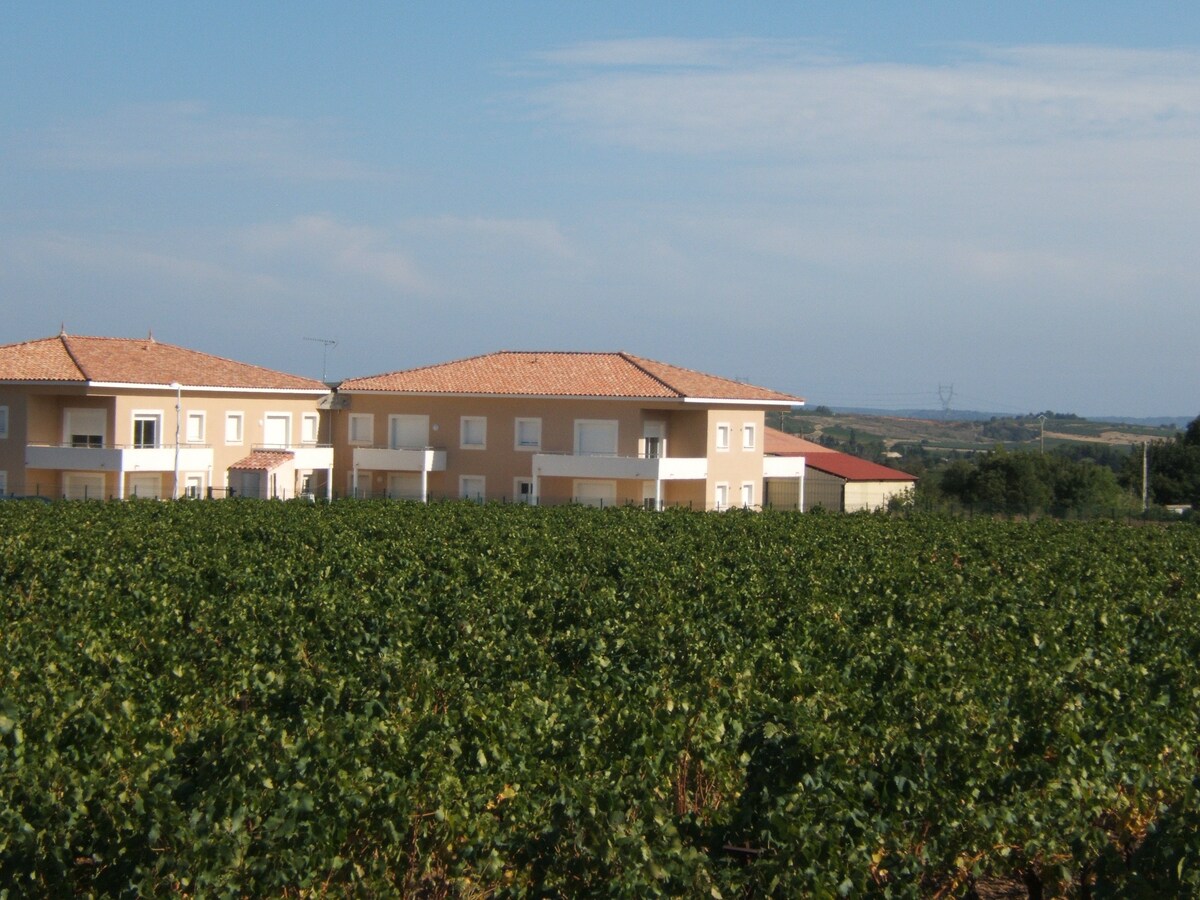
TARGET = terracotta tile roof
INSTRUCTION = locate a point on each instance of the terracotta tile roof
(146, 361)
(780, 443)
(264, 459)
(564, 374)
(823, 459)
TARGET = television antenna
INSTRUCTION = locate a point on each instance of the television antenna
(945, 395)
(324, 351)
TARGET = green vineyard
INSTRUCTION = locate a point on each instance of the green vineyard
(454, 700)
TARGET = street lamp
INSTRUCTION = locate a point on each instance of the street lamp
(178, 405)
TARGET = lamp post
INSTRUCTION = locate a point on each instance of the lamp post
(178, 405)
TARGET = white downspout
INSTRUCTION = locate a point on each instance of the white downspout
(178, 406)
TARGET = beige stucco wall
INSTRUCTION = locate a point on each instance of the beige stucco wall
(39, 414)
(690, 432)
(736, 465)
(873, 495)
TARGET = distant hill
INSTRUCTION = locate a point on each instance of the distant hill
(972, 415)
(897, 436)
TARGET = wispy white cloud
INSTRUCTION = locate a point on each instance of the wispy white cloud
(668, 52)
(191, 135)
(758, 101)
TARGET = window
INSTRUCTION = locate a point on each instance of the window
(147, 430)
(595, 493)
(3, 421)
(527, 434)
(362, 428)
(86, 427)
(83, 486)
(721, 496)
(596, 437)
(309, 427)
(408, 432)
(193, 487)
(195, 428)
(234, 427)
(359, 483)
(471, 487)
(3, 482)
(277, 430)
(145, 486)
(747, 494)
(523, 491)
(473, 432)
(748, 437)
(722, 435)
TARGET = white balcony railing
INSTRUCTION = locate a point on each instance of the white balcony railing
(116, 458)
(638, 468)
(783, 467)
(398, 459)
(305, 456)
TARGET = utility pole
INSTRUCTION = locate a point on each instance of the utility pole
(1145, 476)
(1042, 438)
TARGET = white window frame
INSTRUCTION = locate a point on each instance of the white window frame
(240, 419)
(518, 444)
(480, 494)
(287, 429)
(616, 435)
(310, 428)
(724, 432)
(749, 436)
(193, 480)
(141, 415)
(721, 496)
(463, 423)
(747, 494)
(191, 416)
(525, 497)
(364, 423)
(3, 422)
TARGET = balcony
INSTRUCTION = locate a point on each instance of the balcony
(636, 468)
(304, 456)
(783, 467)
(116, 458)
(399, 459)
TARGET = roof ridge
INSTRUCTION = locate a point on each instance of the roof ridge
(74, 359)
(431, 365)
(635, 362)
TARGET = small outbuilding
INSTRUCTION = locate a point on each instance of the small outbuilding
(833, 480)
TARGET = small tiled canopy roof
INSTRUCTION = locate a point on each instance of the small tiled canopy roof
(69, 358)
(263, 460)
(565, 374)
(834, 462)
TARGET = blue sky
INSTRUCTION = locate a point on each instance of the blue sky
(857, 202)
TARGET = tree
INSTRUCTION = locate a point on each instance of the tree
(1174, 468)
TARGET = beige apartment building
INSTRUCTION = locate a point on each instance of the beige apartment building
(112, 418)
(556, 427)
